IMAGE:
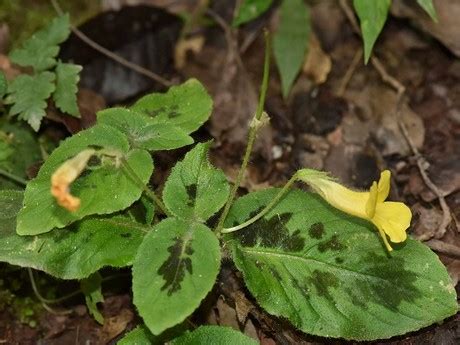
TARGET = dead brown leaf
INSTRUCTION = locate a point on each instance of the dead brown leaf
(115, 325)
(317, 63)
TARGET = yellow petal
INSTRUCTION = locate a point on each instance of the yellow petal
(384, 186)
(372, 201)
(394, 219)
(384, 238)
(344, 199)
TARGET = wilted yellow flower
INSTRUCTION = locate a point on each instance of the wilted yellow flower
(391, 218)
(65, 175)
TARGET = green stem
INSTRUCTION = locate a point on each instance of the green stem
(150, 193)
(12, 177)
(267, 208)
(251, 137)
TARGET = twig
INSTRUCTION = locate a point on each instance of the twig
(111, 55)
(401, 90)
(421, 164)
(444, 248)
(390, 80)
(349, 73)
(229, 36)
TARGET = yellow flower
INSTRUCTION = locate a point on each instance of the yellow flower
(391, 218)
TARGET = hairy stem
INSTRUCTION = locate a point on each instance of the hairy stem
(251, 137)
(150, 193)
(267, 208)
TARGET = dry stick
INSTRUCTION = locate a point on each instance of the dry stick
(229, 37)
(401, 90)
(421, 164)
(111, 55)
(349, 73)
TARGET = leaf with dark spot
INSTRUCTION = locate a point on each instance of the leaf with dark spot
(195, 190)
(323, 281)
(173, 269)
(186, 106)
(340, 282)
(316, 230)
(74, 252)
(271, 233)
(332, 244)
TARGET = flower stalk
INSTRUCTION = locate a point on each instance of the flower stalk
(253, 129)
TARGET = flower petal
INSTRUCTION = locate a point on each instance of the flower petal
(65, 175)
(372, 201)
(384, 185)
(344, 199)
(394, 219)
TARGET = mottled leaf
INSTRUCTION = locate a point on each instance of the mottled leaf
(29, 94)
(214, 335)
(65, 96)
(250, 9)
(71, 253)
(103, 189)
(195, 190)
(330, 275)
(143, 131)
(40, 50)
(91, 288)
(290, 41)
(186, 106)
(175, 267)
(428, 6)
(372, 15)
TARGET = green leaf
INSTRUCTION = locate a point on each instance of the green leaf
(91, 288)
(41, 49)
(71, 253)
(372, 15)
(249, 10)
(195, 190)
(28, 94)
(186, 106)
(290, 41)
(175, 267)
(215, 335)
(428, 6)
(330, 275)
(103, 189)
(19, 149)
(65, 96)
(144, 132)
(3, 85)
(139, 336)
